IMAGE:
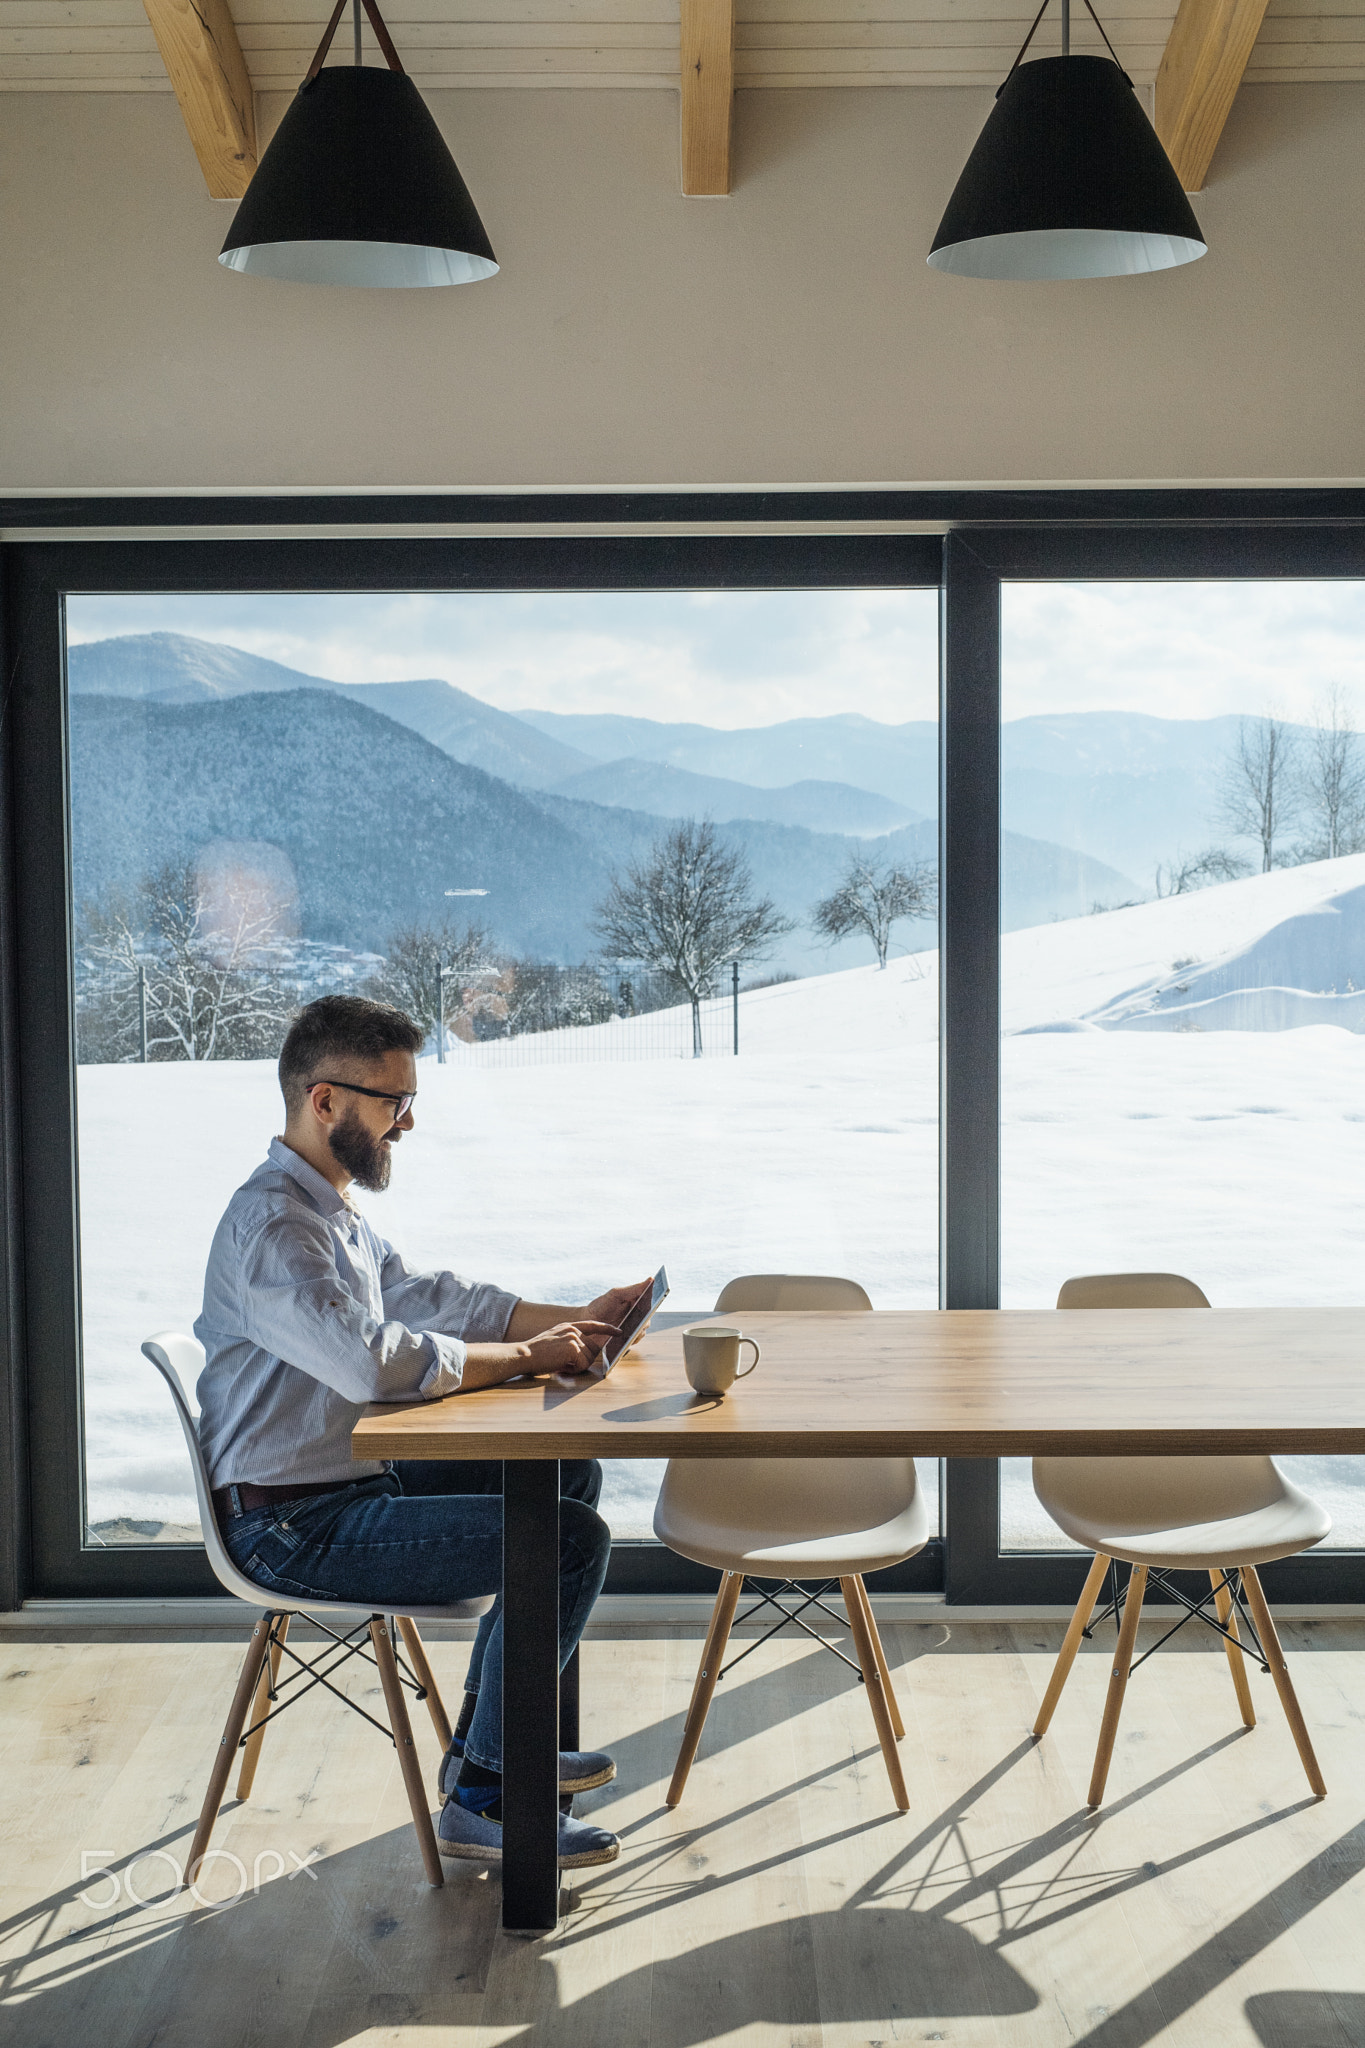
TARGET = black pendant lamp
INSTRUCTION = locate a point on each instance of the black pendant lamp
(357, 186)
(1067, 178)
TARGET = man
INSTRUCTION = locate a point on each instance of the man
(308, 1315)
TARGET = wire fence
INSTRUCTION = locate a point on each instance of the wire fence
(522, 1014)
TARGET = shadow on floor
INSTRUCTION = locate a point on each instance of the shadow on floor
(318, 1959)
(1308, 2019)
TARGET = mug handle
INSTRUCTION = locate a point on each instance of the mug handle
(757, 1355)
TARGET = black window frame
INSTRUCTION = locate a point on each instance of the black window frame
(978, 561)
(49, 1557)
(967, 543)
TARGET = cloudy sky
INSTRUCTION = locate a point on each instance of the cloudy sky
(752, 658)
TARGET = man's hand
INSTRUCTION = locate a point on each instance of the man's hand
(615, 1305)
(567, 1347)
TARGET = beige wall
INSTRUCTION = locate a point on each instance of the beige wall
(791, 333)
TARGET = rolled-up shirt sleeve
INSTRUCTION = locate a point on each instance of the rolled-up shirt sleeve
(295, 1303)
(443, 1304)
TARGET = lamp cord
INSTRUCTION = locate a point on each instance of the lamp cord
(382, 37)
(1066, 40)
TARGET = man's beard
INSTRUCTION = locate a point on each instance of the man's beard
(363, 1157)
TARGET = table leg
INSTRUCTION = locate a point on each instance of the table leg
(530, 1694)
(568, 1703)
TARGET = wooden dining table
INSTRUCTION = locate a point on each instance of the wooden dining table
(954, 1384)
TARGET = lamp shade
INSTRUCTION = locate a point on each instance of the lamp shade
(1067, 179)
(357, 187)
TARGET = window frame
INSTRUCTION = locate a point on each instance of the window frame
(977, 562)
(48, 1555)
(966, 542)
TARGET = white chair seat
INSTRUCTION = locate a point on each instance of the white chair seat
(180, 1360)
(792, 1518)
(1180, 1514)
(796, 1520)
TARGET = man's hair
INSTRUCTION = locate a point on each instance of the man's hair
(340, 1028)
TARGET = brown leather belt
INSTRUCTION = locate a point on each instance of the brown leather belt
(250, 1497)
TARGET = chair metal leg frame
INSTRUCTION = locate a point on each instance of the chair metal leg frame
(871, 1668)
(791, 1615)
(1232, 1593)
(1221, 1582)
(260, 1697)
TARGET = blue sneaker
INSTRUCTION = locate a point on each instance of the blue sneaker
(474, 1837)
(580, 1770)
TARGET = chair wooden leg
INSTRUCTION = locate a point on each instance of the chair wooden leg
(1118, 1682)
(883, 1668)
(260, 1707)
(407, 1749)
(1232, 1643)
(1066, 1656)
(1279, 1671)
(227, 1747)
(417, 1657)
(712, 1656)
(872, 1679)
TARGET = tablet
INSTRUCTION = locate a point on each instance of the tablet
(636, 1318)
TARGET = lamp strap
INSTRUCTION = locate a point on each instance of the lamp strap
(1031, 34)
(1023, 52)
(1100, 26)
(382, 37)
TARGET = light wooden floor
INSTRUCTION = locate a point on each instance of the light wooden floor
(786, 1902)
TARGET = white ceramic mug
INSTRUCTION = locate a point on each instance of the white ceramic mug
(711, 1353)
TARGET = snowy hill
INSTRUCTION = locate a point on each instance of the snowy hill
(1307, 969)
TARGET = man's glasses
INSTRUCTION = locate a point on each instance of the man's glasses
(401, 1103)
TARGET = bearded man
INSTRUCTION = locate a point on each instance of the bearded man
(309, 1315)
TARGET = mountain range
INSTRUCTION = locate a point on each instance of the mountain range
(1124, 789)
(381, 825)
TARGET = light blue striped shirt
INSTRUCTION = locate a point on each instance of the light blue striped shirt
(308, 1315)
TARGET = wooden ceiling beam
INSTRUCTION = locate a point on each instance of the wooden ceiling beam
(204, 62)
(1206, 54)
(708, 95)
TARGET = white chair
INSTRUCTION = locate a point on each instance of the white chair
(1224, 1516)
(799, 1521)
(261, 1692)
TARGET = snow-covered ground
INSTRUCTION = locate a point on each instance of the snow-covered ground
(1237, 1157)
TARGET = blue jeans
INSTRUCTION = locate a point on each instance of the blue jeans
(424, 1533)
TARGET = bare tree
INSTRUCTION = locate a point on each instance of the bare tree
(210, 970)
(1259, 798)
(873, 896)
(1332, 781)
(417, 957)
(1200, 871)
(686, 909)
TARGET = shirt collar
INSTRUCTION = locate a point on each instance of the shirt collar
(310, 1180)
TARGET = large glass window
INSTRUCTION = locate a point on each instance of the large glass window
(1183, 1084)
(451, 801)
